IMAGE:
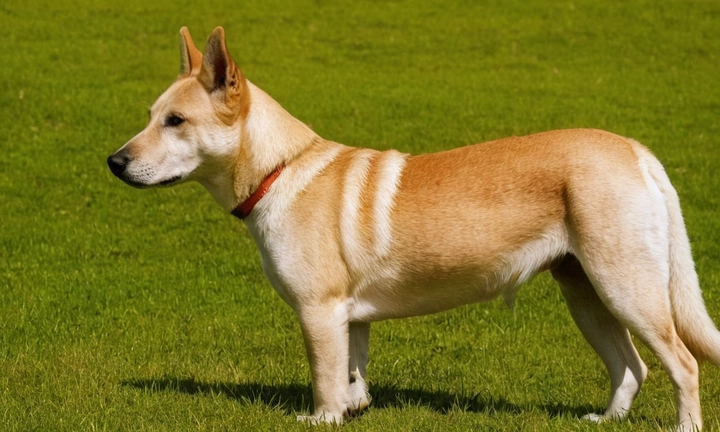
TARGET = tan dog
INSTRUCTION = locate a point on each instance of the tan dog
(349, 236)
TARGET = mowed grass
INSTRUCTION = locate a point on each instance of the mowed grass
(147, 310)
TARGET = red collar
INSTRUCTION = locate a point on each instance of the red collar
(244, 208)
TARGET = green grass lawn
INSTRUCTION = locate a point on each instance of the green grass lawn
(147, 310)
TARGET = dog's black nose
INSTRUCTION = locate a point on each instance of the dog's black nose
(118, 162)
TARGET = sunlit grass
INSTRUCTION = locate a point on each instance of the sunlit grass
(147, 310)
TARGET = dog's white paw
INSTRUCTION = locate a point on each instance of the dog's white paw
(595, 418)
(324, 417)
(307, 419)
(359, 396)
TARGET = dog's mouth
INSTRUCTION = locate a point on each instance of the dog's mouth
(171, 181)
(135, 184)
(140, 185)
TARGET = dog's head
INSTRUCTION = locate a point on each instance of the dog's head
(194, 127)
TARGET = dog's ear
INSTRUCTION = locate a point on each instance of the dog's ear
(222, 78)
(190, 57)
(219, 71)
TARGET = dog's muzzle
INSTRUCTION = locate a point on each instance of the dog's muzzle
(118, 163)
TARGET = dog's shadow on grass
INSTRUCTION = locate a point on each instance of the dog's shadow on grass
(296, 398)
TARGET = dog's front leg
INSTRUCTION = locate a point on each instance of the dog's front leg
(325, 330)
(359, 345)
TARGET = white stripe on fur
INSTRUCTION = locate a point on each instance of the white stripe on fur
(391, 167)
(355, 180)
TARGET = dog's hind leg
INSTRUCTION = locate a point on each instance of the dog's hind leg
(639, 299)
(632, 280)
(608, 337)
(359, 345)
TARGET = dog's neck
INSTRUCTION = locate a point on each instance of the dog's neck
(244, 208)
(271, 137)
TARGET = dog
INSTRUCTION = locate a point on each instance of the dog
(349, 236)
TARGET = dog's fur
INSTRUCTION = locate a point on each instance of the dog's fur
(349, 236)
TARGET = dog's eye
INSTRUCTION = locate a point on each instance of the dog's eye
(173, 120)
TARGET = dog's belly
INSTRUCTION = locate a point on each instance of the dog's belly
(388, 301)
(415, 294)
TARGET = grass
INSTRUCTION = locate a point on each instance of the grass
(128, 310)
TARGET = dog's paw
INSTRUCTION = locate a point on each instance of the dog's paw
(324, 417)
(359, 397)
(307, 419)
(595, 418)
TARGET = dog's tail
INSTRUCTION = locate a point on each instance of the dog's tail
(692, 322)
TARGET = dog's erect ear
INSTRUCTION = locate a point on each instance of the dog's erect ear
(219, 71)
(222, 78)
(190, 56)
